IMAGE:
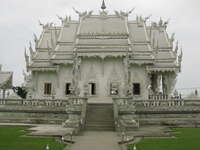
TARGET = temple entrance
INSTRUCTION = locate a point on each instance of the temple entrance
(92, 88)
(98, 93)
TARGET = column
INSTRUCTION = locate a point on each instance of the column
(159, 83)
(4, 94)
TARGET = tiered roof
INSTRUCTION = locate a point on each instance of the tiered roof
(103, 36)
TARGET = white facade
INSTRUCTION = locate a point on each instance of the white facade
(102, 56)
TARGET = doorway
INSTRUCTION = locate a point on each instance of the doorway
(92, 87)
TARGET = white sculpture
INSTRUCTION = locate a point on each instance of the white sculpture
(81, 14)
(176, 48)
(31, 50)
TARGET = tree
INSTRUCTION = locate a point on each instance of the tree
(20, 91)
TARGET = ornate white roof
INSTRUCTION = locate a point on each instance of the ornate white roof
(101, 25)
(104, 35)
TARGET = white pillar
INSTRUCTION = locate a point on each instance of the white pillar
(4, 94)
(159, 83)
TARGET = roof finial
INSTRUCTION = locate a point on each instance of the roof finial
(103, 6)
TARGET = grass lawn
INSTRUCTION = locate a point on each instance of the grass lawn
(186, 139)
(11, 139)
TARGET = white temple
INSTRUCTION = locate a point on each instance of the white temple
(102, 55)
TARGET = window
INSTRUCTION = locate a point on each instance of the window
(136, 88)
(47, 88)
(92, 88)
(67, 89)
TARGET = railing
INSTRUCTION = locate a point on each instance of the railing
(77, 100)
(43, 102)
(121, 100)
(148, 103)
(168, 103)
(164, 97)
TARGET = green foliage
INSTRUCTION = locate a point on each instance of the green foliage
(185, 139)
(11, 138)
(20, 91)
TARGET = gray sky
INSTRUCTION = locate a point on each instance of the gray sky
(19, 20)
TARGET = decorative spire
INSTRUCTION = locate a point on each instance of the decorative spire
(31, 50)
(180, 57)
(176, 48)
(26, 57)
(103, 6)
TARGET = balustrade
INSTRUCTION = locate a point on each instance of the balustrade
(76, 101)
(43, 102)
(164, 97)
(2, 102)
(149, 103)
(168, 103)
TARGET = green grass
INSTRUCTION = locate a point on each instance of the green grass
(186, 139)
(11, 139)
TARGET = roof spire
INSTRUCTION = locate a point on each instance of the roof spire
(103, 6)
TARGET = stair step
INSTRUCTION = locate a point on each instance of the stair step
(100, 123)
(99, 120)
(100, 129)
(100, 117)
(98, 104)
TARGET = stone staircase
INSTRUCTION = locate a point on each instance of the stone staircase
(100, 117)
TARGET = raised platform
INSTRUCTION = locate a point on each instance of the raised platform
(146, 112)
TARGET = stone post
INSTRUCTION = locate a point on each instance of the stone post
(4, 94)
(115, 109)
(83, 112)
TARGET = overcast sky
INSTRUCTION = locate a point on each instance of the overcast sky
(19, 20)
